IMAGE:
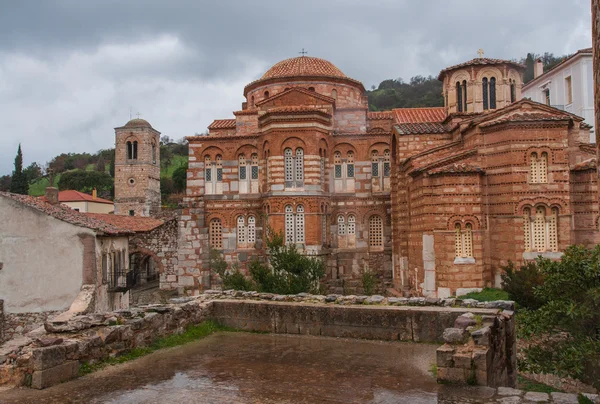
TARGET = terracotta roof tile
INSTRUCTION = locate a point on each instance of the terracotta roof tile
(66, 214)
(480, 62)
(420, 128)
(70, 195)
(303, 66)
(380, 115)
(295, 108)
(526, 117)
(222, 124)
(419, 115)
(252, 111)
(131, 223)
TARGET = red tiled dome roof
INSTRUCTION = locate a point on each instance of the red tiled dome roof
(137, 123)
(303, 66)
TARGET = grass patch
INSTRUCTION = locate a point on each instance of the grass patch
(192, 333)
(526, 384)
(487, 295)
(38, 188)
(176, 161)
(433, 370)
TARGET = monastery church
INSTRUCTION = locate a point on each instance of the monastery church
(433, 201)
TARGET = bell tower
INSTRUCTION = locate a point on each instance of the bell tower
(137, 169)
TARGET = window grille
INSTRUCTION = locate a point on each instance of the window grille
(543, 168)
(251, 230)
(341, 225)
(553, 231)
(215, 235)
(338, 171)
(289, 167)
(254, 173)
(457, 241)
(208, 174)
(219, 168)
(323, 229)
(300, 224)
(468, 240)
(351, 224)
(299, 166)
(242, 167)
(289, 224)
(527, 229)
(375, 231)
(534, 168)
(350, 165)
(375, 169)
(539, 230)
(241, 232)
(493, 93)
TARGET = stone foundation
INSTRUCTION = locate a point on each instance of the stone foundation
(18, 324)
(45, 359)
(480, 350)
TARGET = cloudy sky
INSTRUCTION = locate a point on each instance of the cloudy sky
(71, 70)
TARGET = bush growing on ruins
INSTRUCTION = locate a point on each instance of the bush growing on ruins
(231, 278)
(520, 284)
(368, 281)
(565, 330)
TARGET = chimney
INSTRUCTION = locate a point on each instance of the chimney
(52, 195)
(94, 194)
(538, 68)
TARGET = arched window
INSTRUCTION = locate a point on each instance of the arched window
(334, 94)
(129, 150)
(241, 232)
(251, 231)
(464, 96)
(242, 167)
(294, 168)
(538, 168)
(540, 231)
(294, 224)
(153, 153)
(374, 164)
(219, 165)
(350, 164)
(254, 169)
(215, 234)
(463, 241)
(459, 95)
(387, 168)
(207, 169)
(341, 225)
(213, 175)
(351, 225)
(493, 93)
(513, 91)
(381, 170)
(311, 88)
(375, 232)
(266, 94)
(484, 88)
(337, 164)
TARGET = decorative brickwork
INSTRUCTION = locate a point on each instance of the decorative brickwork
(305, 157)
(137, 169)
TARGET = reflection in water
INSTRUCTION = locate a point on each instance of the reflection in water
(258, 368)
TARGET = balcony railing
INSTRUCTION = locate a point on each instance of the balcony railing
(121, 280)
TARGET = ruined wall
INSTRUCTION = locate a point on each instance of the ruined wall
(19, 324)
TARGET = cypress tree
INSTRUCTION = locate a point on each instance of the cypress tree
(19, 184)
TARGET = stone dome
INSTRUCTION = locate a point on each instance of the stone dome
(137, 123)
(303, 66)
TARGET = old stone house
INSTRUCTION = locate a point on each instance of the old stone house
(433, 200)
(52, 256)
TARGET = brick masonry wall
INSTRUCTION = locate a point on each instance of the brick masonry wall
(596, 66)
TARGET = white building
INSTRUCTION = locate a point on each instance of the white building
(568, 86)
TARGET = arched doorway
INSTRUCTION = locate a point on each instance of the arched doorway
(144, 268)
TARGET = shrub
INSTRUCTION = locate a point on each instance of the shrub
(487, 295)
(369, 280)
(565, 328)
(231, 278)
(520, 284)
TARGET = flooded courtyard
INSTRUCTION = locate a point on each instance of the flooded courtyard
(258, 368)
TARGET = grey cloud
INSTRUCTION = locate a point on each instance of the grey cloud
(70, 69)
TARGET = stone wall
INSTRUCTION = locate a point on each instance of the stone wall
(480, 350)
(18, 324)
(45, 359)
(2, 321)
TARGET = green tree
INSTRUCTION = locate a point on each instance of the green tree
(33, 172)
(565, 329)
(5, 183)
(86, 181)
(111, 167)
(19, 184)
(180, 177)
(529, 63)
(101, 165)
(420, 91)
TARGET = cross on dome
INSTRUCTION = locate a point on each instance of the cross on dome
(303, 52)
(480, 53)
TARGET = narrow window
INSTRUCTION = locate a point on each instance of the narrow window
(289, 224)
(153, 153)
(207, 169)
(334, 94)
(459, 94)
(351, 225)
(341, 225)
(251, 231)
(242, 167)
(464, 95)
(569, 90)
(241, 232)
(350, 165)
(547, 96)
(289, 167)
(527, 229)
(299, 167)
(553, 230)
(539, 229)
(543, 168)
(266, 94)
(468, 240)
(513, 91)
(375, 231)
(337, 164)
(533, 163)
(219, 168)
(129, 150)
(254, 166)
(493, 93)
(484, 88)
(215, 234)
(387, 168)
(458, 251)
(374, 164)
(323, 228)
(300, 224)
